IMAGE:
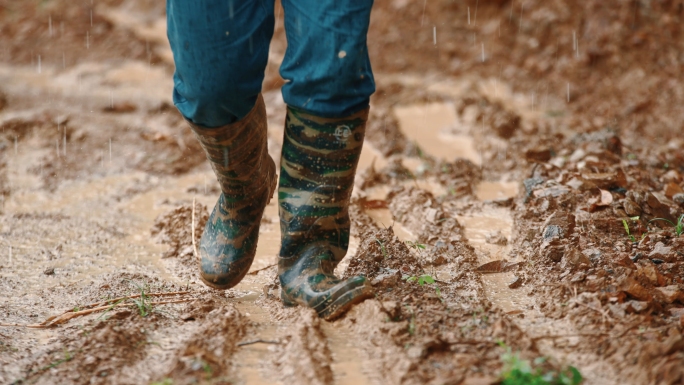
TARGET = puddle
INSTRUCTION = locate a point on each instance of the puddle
(489, 191)
(427, 124)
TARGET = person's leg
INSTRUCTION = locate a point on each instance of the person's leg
(326, 67)
(220, 49)
(329, 86)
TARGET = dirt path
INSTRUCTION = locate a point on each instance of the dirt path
(489, 210)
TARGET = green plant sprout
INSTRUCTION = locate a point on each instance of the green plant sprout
(678, 227)
(421, 279)
(415, 245)
(382, 247)
(517, 371)
(626, 225)
(426, 279)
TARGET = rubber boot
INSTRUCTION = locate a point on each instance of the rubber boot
(239, 156)
(317, 167)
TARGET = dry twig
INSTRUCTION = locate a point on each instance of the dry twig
(66, 316)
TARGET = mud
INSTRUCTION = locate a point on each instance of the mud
(518, 155)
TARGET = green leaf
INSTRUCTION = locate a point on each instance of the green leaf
(576, 375)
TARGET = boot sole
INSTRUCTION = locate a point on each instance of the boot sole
(213, 285)
(342, 304)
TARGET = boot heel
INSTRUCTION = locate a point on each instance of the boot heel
(287, 302)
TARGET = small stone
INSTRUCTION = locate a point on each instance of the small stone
(575, 184)
(554, 253)
(647, 269)
(432, 215)
(672, 189)
(671, 293)
(678, 199)
(574, 258)
(607, 180)
(531, 183)
(496, 238)
(660, 251)
(671, 176)
(637, 306)
(552, 231)
(439, 260)
(631, 208)
(89, 360)
(386, 279)
(416, 352)
(578, 277)
(516, 283)
(630, 286)
(540, 154)
(593, 254)
(553, 191)
(49, 271)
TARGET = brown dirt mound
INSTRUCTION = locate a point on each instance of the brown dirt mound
(175, 229)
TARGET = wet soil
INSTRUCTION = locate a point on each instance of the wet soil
(526, 157)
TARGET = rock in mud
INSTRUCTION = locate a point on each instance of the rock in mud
(660, 206)
(634, 289)
(496, 238)
(560, 224)
(648, 270)
(516, 283)
(679, 199)
(387, 279)
(606, 180)
(531, 183)
(593, 254)
(636, 306)
(632, 209)
(574, 258)
(661, 251)
(671, 293)
(538, 154)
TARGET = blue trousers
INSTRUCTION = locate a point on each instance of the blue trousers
(220, 48)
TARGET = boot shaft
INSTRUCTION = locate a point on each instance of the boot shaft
(318, 165)
(238, 152)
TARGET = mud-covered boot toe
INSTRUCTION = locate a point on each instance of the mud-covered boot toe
(310, 282)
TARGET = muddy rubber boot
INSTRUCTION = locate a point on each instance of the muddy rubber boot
(239, 156)
(317, 168)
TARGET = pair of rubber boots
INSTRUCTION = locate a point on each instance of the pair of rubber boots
(318, 164)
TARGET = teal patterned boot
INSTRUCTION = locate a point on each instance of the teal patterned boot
(317, 168)
(238, 154)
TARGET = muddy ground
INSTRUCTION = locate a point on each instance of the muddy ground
(518, 192)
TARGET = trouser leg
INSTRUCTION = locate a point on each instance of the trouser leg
(326, 65)
(220, 48)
